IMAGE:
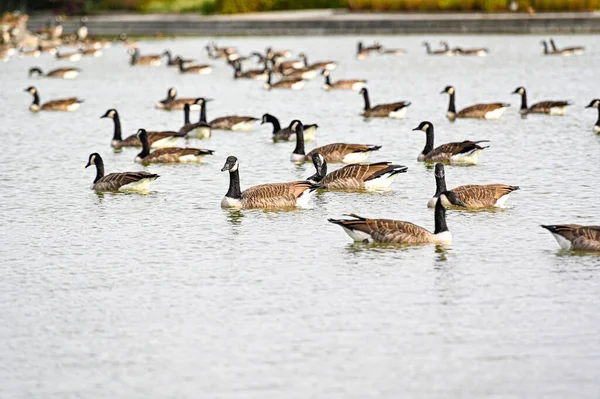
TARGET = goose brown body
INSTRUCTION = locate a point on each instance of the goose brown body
(124, 181)
(392, 110)
(337, 152)
(168, 155)
(63, 73)
(576, 237)
(233, 122)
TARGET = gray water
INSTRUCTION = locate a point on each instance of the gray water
(167, 295)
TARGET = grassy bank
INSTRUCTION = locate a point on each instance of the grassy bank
(244, 6)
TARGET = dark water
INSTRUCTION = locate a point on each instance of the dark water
(169, 296)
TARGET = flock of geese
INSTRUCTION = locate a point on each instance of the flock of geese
(356, 175)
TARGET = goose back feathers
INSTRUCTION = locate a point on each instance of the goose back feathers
(63, 73)
(392, 110)
(576, 237)
(480, 111)
(543, 107)
(168, 155)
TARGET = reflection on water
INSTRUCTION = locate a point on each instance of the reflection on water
(137, 293)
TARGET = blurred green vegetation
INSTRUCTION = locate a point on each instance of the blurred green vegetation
(244, 6)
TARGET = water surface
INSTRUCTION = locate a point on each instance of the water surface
(169, 296)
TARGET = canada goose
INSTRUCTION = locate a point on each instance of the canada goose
(575, 236)
(481, 111)
(288, 133)
(346, 84)
(74, 56)
(567, 50)
(553, 51)
(480, 52)
(392, 110)
(170, 103)
(200, 129)
(256, 74)
(446, 52)
(125, 41)
(363, 52)
(144, 60)
(332, 153)
(473, 196)
(66, 104)
(174, 61)
(168, 155)
(272, 54)
(199, 69)
(355, 177)
(543, 107)
(226, 53)
(274, 195)
(64, 73)
(466, 152)
(595, 104)
(281, 66)
(163, 139)
(293, 84)
(124, 181)
(91, 52)
(52, 30)
(397, 232)
(329, 65)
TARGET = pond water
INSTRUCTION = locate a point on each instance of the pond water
(167, 295)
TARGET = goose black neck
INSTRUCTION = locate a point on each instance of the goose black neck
(427, 48)
(366, 98)
(269, 79)
(99, 169)
(305, 59)
(181, 69)
(320, 173)
(440, 218)
(186, 116)
(524, 101)
(440, 185)
(203, 112)
(327, 80)
(117, 130)
(429, 140)
(169, 58)
(275, 122)
(299, 141)
(234, 185)
(36, 98)
(545, 47)
(35, 70)
(598, 121)
(451, 104)
(145, 147)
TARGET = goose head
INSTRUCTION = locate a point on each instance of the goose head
(142, 134)
(111, 113)
(202, 100)
(594, 104)
(93, 159)
(172, 92)
(231, 164)
(424, 126)
(519, 90)
(325, 72)
(448, 89)
(265, 118)
(296, 125)
(31, 90)
(363, 91)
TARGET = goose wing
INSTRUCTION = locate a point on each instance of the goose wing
(287, 82)
(134, 141)
(387, 108)
(479, 110)
(174, 153)
(483, 196)
(451, 149)
(178, 104)
(60, 71)
(292, 189)
(226, 122)
(65, 102)
(337, 151)
(581, 237)
(191, 126)
(360, 171)
(114, 181)
(387, 230)
(545, 106)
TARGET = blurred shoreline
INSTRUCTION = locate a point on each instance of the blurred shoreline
(332, 22)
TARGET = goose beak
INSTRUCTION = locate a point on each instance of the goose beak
(224, 168)
(416, 129)
(587, 106)
(88, 164)
(442, 92)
